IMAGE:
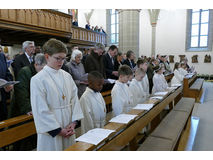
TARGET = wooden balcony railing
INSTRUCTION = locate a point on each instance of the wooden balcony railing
(85, 36)
(37, 20)
(21, 24)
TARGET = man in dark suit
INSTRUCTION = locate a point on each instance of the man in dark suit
(109, 62)
(130, 59)
(24, 59)
(87, 26)
(6, 75)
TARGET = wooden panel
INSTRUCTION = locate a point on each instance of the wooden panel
(12, 14)
(17, 133)
(34, 17)
(21, 16)
(37, 17)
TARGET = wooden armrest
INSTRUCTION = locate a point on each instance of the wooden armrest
(15, 120)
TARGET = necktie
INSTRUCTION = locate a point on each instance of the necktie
(31, 60)
(131, 64)
(112, 61)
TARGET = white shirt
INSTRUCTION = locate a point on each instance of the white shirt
(177, 78)
(159, 83)
(139, 96)
(182, 71)
(145, 84)
(30, 58)
(94, 109)
(50, 110)
(122, 101)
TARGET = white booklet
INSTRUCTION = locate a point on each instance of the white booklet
(111, 81)
(176, 85)
(171, 88)
(95, 136)
(160, 93)
(123, 118)
(156, 97)
(144, 106)
(4, 83)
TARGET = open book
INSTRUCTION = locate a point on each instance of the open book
(4, 83)
(95, 136)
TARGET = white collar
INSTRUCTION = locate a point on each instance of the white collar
(28, 57)
(51, 70)
(109, 55)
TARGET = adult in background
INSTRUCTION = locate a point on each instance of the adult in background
(24, 59)
(109, 62)
(21, 101)
(130, 59)
(6, 75)
(118, 61)
(94, 61)
(76, 69)
(150, 72)
(22, 90)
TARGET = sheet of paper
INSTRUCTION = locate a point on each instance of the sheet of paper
(160, 93)
(4, 83)
(95, 136)
(123, 118)
(144, 106)
(111, 81)
(156, 97)
(176, 85)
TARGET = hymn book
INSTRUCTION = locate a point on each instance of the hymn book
(123, 118)
(95, 136)
(4, 83)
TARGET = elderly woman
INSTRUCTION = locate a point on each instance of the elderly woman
(76, 69)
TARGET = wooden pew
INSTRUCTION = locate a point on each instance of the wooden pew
(193, 88)
(166, 136)
(125, 134)
(12, 132)
(188, 137)
(108, 100)
(169, 77)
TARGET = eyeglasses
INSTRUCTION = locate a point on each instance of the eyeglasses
(59, 59)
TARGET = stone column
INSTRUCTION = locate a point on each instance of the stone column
(153, 38)
(129, 21)
(153, 15)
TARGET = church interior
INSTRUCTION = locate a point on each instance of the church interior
(146, 40)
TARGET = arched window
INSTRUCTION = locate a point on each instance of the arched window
(199, 30)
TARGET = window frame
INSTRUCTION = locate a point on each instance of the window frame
(189, 30)
(115, 14)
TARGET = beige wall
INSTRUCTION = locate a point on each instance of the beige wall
(170, 38)
(98, 18)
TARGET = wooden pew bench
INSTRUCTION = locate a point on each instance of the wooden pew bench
(166, 136)
(12, 132)
(126, 134)
(188, 137)
(193, 89)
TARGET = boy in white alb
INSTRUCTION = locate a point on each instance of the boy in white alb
(182, 69)
(93, 104)
(145, 81)
(139, 96)
(122, 101)
(54, 101)
(178, 77)
(159, 82)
